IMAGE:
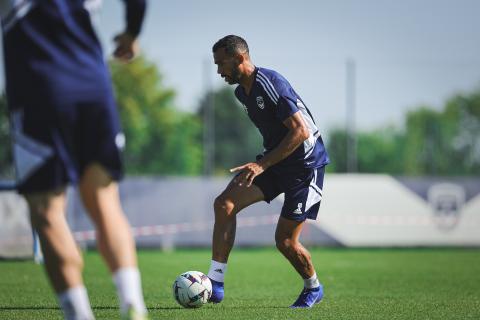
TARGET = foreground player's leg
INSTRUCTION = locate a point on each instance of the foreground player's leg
(287, 240)
(62, 258)
(114, 238)
(226, 206)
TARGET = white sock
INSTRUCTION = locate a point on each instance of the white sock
(75, 305)
(217, 271)
(129, 289)
(312, 282)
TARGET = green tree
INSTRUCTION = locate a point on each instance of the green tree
(425, 144)
(461, 124)
(445, 142)
(378, 151)
(160, 139)
(237, 140)
(337, 150)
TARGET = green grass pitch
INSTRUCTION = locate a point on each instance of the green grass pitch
(260, 284)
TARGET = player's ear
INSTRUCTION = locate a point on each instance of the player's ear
(239, 58)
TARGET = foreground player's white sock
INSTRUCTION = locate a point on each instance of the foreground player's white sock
(217, 271)
(129, 289)
(312, 282)
(75, 305)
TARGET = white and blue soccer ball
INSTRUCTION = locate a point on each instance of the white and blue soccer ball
(192, 289)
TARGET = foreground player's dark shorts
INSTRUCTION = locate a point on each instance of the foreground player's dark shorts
(54, 144)
(302, 188)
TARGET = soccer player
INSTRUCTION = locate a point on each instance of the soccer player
(292, 163)
(66, 130)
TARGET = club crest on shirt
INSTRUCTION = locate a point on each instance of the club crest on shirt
(260, 102)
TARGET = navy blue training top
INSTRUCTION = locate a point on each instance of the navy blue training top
(270, 102)
(51, 51)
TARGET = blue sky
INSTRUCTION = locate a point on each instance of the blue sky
(407, 52)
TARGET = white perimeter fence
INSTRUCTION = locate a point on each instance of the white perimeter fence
(357, 210)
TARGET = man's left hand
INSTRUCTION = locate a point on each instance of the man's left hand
(248, 172)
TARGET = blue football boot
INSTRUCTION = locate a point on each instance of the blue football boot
(308, 297)
(217, 291)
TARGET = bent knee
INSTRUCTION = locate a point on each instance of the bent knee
(283, 243)
(287, 244)
(224, 207)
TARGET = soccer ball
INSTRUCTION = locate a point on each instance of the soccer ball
(192, 289)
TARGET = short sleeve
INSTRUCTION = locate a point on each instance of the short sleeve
(285, 107)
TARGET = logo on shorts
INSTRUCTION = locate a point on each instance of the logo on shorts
(299, 209)
(260, 102)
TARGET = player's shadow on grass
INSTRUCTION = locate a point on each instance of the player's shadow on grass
(220, 307)
(169, 308)
(30, 308)
(257, 307)
(51, 308)
(26, 308)
(149, 308)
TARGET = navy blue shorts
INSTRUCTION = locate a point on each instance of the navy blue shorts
(303, 191)
(54, 144)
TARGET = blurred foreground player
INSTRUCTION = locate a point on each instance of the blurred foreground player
(292, 163)
(66, 130)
